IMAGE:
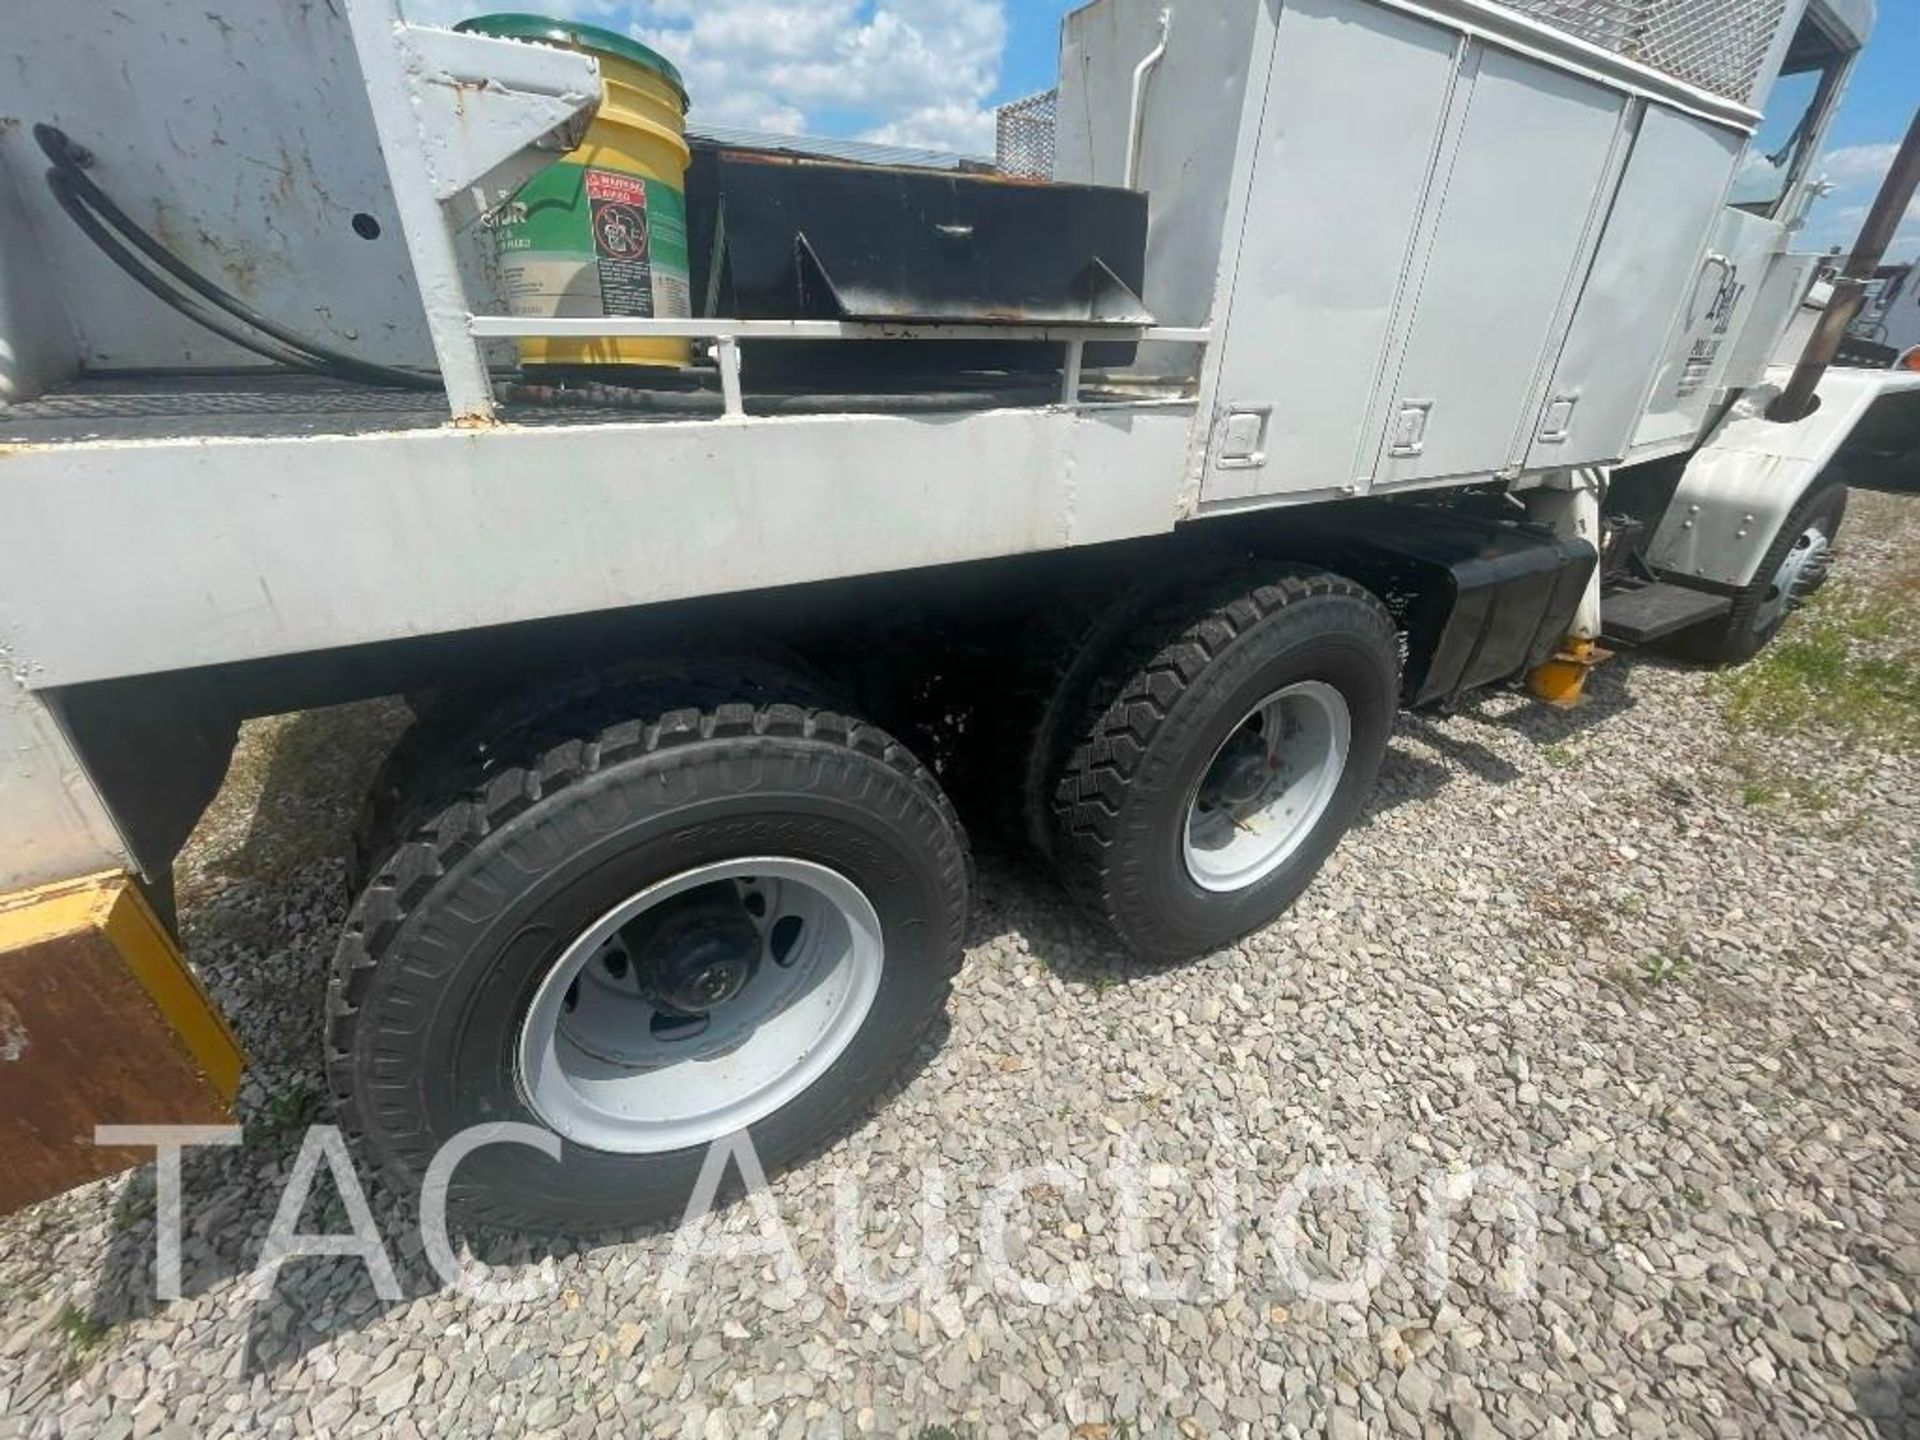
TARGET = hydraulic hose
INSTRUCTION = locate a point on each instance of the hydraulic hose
(93, 211)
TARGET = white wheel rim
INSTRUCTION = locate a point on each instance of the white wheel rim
(1802, 566)
(616, 1070)
(1266, 787)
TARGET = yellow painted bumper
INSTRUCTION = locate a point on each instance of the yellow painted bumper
(101, 1023)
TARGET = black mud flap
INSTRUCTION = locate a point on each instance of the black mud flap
(1482, 599)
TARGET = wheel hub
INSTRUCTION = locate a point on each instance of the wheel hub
(1239, 774)
(700, 1005)
(1267, 786)
(1800, 570)
(696, 951)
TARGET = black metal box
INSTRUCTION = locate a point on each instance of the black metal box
(776, 235)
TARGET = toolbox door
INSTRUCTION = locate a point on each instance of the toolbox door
(1510, 234)
(1332, 207)
(1651, 252)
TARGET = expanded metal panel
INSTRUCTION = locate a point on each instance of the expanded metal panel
(1606, 23)
(1718, 45)
(1024, 136)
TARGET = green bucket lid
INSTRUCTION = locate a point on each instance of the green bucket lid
(590, 38)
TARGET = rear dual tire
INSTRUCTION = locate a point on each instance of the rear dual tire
(573, 919)
(1221, 756)
(444, 998)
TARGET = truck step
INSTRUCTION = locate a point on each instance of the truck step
(1652, 612)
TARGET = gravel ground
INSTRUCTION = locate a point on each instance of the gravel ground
(1662, 973)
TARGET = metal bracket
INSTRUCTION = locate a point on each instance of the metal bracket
(492, 113)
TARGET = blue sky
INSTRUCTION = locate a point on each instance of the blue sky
(1878, 106)
(929, 72)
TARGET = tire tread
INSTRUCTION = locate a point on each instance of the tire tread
(451, 808)
(1167, 655)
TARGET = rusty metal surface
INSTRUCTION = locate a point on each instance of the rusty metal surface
(82, 1043)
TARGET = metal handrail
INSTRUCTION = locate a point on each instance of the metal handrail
(727, 335)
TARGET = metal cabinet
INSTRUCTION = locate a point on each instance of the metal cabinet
(1510, 227)
(1649, 255)
(1332, 208)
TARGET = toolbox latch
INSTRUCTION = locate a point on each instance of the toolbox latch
(1243, 438)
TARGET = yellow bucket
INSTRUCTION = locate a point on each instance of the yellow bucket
(604, 230)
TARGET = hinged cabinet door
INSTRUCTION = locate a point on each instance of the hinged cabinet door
(1649, 255)
(1334, 200)
(1508, 230)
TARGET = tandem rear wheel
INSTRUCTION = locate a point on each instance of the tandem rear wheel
(1218, 756)
(644, 935)
(648, 917)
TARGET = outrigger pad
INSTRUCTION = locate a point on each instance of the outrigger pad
(101, 1023)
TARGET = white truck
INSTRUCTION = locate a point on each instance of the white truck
(1443, 348)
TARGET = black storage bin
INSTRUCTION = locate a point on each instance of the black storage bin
(780, 236)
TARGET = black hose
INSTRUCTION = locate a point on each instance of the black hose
(186, 305)
(87, 205)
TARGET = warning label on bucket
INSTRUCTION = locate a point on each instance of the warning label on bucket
(619, 206)
(579, 241)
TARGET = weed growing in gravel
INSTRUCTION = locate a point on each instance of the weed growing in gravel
(1559, 755)
(1566, 902)
(1764, 785)
(282, 1113)
(1849, 662)
(81, 1331)
(1664, 967)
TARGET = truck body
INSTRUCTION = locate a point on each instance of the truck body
(1533, 259)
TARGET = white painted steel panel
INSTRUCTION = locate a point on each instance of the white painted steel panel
(1513, 218)
(53, 825)
(1334, 201)
(1782, 290)
(162, 555)
(240, 134)
(1742, 484)
(1655, 236)
(1188, 114)
(1709, 323)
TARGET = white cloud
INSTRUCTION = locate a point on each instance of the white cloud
(1857, 164)
(1855, 172)
(915, 72)
(1841, 227)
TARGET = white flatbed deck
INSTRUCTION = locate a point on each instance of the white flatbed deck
(165, 528)
(182, 405)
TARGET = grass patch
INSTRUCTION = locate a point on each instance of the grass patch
(1765, 785)
(81, 1331)
(281, 1114)
(1849, 663)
